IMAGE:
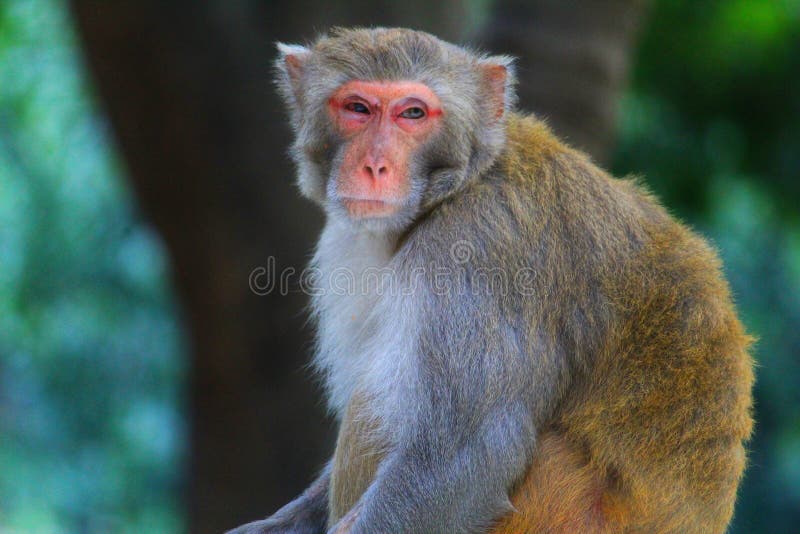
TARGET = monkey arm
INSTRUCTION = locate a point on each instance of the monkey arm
(437, 486)
(307, 514)
(476, 402)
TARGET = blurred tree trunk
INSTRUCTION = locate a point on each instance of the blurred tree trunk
(572, 62)
(187, 87)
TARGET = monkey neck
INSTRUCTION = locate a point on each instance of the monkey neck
(346, 245)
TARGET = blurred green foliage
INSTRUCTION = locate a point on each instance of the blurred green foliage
(712, 121)
(91, 427)
(92, 433)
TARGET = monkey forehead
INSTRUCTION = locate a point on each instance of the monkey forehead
(388, 91)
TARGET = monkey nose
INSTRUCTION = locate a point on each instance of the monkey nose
(376, 171)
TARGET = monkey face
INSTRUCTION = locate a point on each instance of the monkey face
(383, 127)
(390, 122)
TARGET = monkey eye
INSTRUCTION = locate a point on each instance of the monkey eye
(357, 107)
(413, 113)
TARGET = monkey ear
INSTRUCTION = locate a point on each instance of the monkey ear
(291, 64)
(497, 84)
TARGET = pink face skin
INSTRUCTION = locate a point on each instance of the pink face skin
(384, 123)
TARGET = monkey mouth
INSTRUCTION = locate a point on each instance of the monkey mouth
(361, 208)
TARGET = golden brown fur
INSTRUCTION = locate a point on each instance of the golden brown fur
(649, 437)
(356, 459)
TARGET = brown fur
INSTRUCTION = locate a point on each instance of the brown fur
(649, 436)
(355, 461)
(564, 492)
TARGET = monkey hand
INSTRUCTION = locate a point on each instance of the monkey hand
(345, 524)
(300, 516)
(273, 526)
(307, 514)
(279, 525)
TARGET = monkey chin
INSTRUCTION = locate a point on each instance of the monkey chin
(368, 209)
(375, 216)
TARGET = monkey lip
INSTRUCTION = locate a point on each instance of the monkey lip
(365, 207)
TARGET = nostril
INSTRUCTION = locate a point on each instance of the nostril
(370, 170)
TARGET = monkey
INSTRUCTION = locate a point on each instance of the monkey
(525, 344)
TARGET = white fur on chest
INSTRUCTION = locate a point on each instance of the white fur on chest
(366, 321)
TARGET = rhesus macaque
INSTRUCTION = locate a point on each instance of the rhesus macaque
(544, 349)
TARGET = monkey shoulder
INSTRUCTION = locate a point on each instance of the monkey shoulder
(600, 251)
(546, 207)
(541, 198)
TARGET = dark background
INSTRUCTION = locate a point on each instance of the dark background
(144, 387)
